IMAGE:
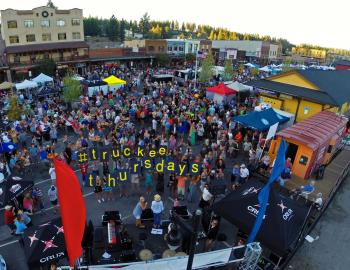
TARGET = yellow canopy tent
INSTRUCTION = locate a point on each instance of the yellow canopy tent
(6, 85)
(112, 80)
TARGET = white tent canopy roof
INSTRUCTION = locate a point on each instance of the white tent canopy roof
(265, 69)
(249, 65)
(42, 78)
(238, 86)
(26, 84)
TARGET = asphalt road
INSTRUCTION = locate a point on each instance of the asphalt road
(331, 249)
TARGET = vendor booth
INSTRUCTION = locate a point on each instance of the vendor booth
(26, 84)
(114, 83)
(260, 120)
(312, 142)
(6, 85)
(243, 91)
(44, 244)
(283, 222)
(221, 93)
(94, 87)
(42, 79)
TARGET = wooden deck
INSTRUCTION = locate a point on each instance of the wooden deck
(332, 173)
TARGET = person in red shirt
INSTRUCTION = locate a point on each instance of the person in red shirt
(181, 185)
(10, 217)
(83, 170)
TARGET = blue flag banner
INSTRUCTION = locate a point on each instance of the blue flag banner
(265, 191)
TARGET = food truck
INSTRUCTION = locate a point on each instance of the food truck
(312, 143)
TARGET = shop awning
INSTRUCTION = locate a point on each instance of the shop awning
(112, 80)
(222, 89)
(261, 121)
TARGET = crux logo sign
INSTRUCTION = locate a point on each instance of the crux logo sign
(254, 210)
(250, 190)
(287, 213)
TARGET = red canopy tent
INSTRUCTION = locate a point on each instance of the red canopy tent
(222, 89)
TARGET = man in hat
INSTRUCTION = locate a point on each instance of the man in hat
(243, 174)
(157, 209)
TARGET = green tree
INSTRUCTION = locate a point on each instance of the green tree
(48, 67)
(71, 90)
(228, 71)
(207, 69)
(241, 68)
(51, 5)
(15, 111)
(254, 71)
(163, 59)
(91, 26)
(190, 57)
(221, 35)
(212, 35)
(122, 31)
(176, 26)
(112, 29)
(183, 28)
(145, 24)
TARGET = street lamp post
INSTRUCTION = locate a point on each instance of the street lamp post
(197, 219)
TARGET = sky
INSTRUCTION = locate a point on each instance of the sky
(319, 22)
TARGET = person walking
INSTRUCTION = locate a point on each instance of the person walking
(52, 174)
(98, 190)
(148, 181)
(137, 212)
(157, 209)
(52, 194)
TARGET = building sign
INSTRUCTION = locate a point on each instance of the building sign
(231, 54)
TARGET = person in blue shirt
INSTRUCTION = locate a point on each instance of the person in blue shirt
(25, 217)
(20, 226)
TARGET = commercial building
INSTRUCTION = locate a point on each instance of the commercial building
(31, 36)
(306, 92)
(152, 46)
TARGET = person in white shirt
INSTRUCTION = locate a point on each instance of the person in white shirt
(154, 124)
(243, 174)
(157, 209)
(52, 173)
(206, 197)
(117, 119)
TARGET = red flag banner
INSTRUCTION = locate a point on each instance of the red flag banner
(72, 208)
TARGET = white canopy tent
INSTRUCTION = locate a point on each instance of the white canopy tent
(239, 87)
(42, 78)
(265, 69)
(26, 85)
(249, 65)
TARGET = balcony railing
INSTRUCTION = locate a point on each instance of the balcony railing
(32, 62)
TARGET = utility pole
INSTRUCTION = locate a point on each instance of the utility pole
(197, 219)
(195, 71)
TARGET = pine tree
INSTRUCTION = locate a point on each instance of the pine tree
(212, 34)
(221, 35)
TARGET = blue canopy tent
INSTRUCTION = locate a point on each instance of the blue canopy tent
(261, 121)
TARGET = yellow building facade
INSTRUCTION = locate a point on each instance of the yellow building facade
(301, 106)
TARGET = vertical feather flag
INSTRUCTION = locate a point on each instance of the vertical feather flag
(72, 207)
(265, 192)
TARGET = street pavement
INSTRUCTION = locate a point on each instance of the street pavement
(331, 249)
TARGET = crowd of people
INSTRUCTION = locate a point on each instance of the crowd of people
(143, 113)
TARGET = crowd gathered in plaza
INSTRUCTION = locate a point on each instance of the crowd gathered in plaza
(142, 113)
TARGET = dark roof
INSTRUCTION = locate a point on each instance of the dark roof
(46, 46)
(312, 95)
(335, 83)
(343, 62)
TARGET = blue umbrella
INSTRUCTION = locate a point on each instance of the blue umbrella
(7, 147)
